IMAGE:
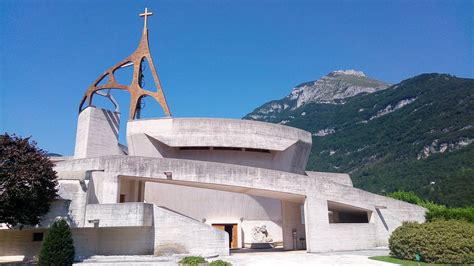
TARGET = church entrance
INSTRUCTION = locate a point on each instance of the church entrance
(231, 229)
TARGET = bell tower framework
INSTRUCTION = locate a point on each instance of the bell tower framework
(135, 89)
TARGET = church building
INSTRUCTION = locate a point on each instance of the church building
(200, 186)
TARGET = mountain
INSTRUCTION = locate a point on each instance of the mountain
(416, 135)
(333, 88)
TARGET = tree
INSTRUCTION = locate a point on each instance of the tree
(58, 246)
(27, 182)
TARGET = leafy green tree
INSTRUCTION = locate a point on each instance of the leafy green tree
(58, 246)
(409, 197)
(27, 181)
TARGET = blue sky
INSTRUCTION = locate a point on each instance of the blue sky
(214, 58)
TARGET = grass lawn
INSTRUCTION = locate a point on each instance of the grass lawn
(400, 261)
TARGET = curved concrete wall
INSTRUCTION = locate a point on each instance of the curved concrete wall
(231, 141)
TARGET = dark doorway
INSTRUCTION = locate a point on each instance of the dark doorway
(231, 229)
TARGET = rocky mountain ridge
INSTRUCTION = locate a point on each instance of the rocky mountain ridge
(416, 135)
(331, 89)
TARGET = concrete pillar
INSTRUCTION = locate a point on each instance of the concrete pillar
(316, 223)
(97, 133)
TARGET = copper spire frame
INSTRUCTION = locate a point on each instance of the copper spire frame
(135, 90)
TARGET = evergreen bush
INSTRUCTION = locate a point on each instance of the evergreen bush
(58, 246)
(192, 260)
(440, 241)
(220, 263)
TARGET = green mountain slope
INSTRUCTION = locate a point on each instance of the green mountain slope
(416, 135)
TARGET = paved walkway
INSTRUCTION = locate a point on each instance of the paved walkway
(251, 257)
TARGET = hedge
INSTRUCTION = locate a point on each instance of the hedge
(448, 242)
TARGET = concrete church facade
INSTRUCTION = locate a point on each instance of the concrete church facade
(202, 186)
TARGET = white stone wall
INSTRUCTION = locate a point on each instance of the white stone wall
(176, 233)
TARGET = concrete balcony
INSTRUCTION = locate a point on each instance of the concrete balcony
(119, 215)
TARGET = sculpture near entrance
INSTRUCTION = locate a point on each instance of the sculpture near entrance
(135, 89)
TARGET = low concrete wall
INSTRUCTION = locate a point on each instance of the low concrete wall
(175, 233)
(119, 214)
(349, 236)
(125, 241)
(87, 242)
(19, 243)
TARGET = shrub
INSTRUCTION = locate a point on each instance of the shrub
(192, 260)
(436, 242)
(58, 246)
(441, 212)
(220, 263)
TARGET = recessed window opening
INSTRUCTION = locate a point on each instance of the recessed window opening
(257, 150)
(194, 148)
(227, 149)
(37, 237)
(342, 213)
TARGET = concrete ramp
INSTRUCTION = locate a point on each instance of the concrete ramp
(178, 234)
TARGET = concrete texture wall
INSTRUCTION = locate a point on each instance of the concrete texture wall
(176, 233)
(136, 214)
(103, 188)
(343, 179)
(73, 198)
(218, 207)
(19, 243)
(314, 192)
(87, 242)
(126, 241)
(97, 133)
(162, 138)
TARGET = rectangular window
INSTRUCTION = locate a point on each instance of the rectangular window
(343, 213)
(194, 148)
(257, 150)
(37, 237)
(227, 149)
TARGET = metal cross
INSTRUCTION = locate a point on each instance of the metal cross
(145, 14)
